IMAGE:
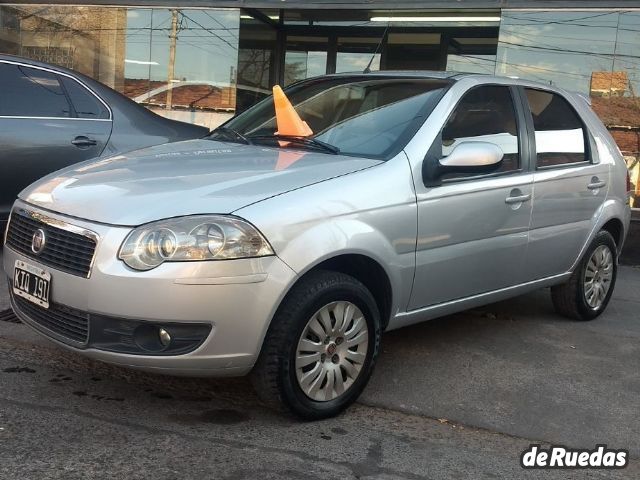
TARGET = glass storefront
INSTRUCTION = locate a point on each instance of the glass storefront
(203, 65)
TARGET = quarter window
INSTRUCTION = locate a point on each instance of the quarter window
(559, 132)
(485, 114)
(30, 92)
(84, 102)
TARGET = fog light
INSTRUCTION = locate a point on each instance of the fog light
(146, 337)
(165, 338)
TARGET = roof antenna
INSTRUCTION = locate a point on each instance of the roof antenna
(368, 68)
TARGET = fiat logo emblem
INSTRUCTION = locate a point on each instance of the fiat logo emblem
(38, 241)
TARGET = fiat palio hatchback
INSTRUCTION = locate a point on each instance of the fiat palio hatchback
(284, 243)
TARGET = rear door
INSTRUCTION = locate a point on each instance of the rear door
(570, 184)
(47, 121)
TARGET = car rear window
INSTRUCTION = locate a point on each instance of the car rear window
(84, 102)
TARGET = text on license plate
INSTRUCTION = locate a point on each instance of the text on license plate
(32, 283)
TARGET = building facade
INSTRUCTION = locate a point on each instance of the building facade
(203, 60)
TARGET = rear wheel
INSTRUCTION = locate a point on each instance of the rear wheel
(321, 347)
(588, 291)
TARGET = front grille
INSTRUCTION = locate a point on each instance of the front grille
(65, 321)
(64, 250)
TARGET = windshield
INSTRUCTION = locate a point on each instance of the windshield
(360, 116)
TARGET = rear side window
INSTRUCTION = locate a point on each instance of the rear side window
(485, 114)
(30, 92)
(560, 134)
(85, 103)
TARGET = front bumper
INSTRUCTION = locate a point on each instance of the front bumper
(236, 298)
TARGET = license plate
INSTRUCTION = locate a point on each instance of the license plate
(32, 283)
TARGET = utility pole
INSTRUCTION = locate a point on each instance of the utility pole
(173, 37)
(231, 82)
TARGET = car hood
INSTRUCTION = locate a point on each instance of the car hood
(183, 178)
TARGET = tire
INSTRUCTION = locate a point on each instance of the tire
(276, 374)
(571, 299)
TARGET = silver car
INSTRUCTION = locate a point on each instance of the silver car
(258, 250)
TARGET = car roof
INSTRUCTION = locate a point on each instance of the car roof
(37, 63)
(441, 75)
(480, 78)
(93, 84)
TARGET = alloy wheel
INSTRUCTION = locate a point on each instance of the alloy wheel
(331, 351)
(597, 276)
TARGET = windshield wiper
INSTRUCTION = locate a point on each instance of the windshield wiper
(305, 141)
(232, 132)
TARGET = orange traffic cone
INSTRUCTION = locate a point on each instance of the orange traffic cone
(287, 119)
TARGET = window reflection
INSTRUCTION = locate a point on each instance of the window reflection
(594, 53)
(129, 49)
(304, 64)
(559, 133)
(355, 54)
(561, 48)
(196, 83)
(471, 63)
(256, 58)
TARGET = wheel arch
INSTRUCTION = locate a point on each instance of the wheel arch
(358, 264)
(614, 217)
(616, 228)
(368, 271)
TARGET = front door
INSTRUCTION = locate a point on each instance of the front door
(473, 231)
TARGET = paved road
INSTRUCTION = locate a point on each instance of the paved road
(459, 397)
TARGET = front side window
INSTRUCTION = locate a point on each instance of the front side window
(30, 92)
(367, 117)
(485, 114)
(559, 132)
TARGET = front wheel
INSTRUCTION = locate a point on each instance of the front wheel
(321, 347)
(588, 291)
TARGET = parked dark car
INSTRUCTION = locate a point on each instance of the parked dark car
(51, 117)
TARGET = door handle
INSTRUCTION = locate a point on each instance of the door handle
(83, 141)
(517, 199)
(596, 184)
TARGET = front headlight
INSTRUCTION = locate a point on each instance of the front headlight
(198, 237)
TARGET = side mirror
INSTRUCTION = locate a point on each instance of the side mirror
(469, 157)
(473, 157)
